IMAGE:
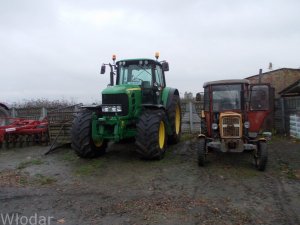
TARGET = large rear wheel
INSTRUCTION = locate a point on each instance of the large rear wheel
(174, 115)
(82, 141)
(151, 136)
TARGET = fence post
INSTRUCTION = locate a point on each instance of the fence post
(282, 115)
(14, 113)
(43, 113)
(191, 117)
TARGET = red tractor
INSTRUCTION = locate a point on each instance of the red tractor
(234, 116)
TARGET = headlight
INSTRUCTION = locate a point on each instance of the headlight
(214, 126)
(247, 125)
(111, 108)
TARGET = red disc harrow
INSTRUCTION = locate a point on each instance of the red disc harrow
(23, 132)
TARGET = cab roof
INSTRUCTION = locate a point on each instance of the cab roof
(137, 59)
(152, 61)
(233, 81)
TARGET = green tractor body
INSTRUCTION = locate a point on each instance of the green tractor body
(138, 105)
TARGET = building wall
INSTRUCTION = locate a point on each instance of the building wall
(279, 79)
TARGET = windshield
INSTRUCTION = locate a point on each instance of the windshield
(135, 74)
(226, 97)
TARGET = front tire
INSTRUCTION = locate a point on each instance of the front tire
(261, 156)
(151, 136)
(203, 127)
(174, 115)
(201, 151)
(82, 141)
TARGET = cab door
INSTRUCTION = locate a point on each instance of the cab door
(159, 84)
(260, 114)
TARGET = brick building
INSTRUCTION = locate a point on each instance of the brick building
(286, 83)
(279, 79)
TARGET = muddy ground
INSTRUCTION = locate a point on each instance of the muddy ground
(119, 188)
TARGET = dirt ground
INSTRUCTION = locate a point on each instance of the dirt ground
(119, 188)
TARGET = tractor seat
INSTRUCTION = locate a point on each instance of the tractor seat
(146, 84)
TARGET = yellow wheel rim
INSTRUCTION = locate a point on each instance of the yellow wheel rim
(177, 119)
(98, 143)
(161, 135)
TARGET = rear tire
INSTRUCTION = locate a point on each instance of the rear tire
(201, 151)
(261, 156)
(174, 116)
(151, 136)
(82, 141)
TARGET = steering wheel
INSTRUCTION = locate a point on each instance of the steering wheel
(136, 79)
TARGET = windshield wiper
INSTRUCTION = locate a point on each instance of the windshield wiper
(142, 71)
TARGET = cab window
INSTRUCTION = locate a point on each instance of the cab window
(259, 99)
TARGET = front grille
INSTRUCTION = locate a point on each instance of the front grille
(231, 126)
(116, 99)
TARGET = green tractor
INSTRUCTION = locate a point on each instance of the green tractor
(138, 105)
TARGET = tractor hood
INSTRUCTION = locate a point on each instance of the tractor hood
(229, 114)
(121, 89)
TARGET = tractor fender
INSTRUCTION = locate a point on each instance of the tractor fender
(258, 140)
(201, 136)
(153, 106)
(167, 96)
(262, 139)
(93, 108)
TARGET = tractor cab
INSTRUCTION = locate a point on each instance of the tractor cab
(148, 74)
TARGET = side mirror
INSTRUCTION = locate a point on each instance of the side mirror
(165, 66)
(102, 69)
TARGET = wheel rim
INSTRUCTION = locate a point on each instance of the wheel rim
(177, 119)
(161, 135)
(98, 143)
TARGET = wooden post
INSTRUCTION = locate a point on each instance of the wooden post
(191, 117)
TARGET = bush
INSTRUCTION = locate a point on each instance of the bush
(39, 103)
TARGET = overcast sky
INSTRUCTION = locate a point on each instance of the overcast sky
(54, 49)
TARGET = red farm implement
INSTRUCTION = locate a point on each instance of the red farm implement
(23, 131)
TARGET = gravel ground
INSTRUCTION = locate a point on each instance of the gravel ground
(119, 188)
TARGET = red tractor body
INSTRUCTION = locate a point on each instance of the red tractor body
(234, 117)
